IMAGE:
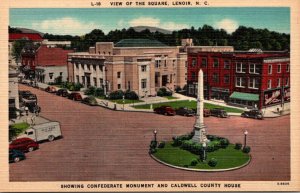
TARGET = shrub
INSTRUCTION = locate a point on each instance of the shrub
(77, 86)
(212, 137)
(162, 144)
(58, 80)
(99, 92)
(238, 146)
(131, 95)
(90, 91)
(196, 148)
(194, 162)
(153, 144)
(163, 92)
(178, 89)
(118, 94)
(151, 150)
(210, 148)
(246, 149)
(212, 162)
(186, 145)
(202, 154)
(224, 143)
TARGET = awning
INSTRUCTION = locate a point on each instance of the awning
(244, 96)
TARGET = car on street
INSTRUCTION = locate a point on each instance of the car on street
(218, 112)
(75, 96)
(256, 114)
(90, 101)
(24, 144)
(51, 89)
(33, 107)
(206, 112)
(16, 155)
(62, 92)
(184, 111)
(165, 110)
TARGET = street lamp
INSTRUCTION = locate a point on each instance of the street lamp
(123, 102)
(245, 139)
(204, 148)
(155, 133)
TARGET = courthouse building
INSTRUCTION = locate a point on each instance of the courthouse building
(140, 65)
(250, 79)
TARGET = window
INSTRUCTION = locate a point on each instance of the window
(226, 78)
(60, 74)
(77, 78)
(204, 77)
(287, 67)
(82, 66)
(144, 83)
(128, 85)
(254, 69)
(157, 63)
(77, 66)
(194, 62)
(83, 80)
(204, 62)
(269, 84)
(174, 63)
(89, 67)
(186, 64)
(216, 63)
(226, 64)
(119, 86)
(51, 76)
(165, 63)
(94, 67)
(101, 81)
(287, 80)
(278, 68)
(119, 74)
(144, 68)
(240, 67)
(193, 75)
(278, 82)
(95, 82)
(253, 83)
(215, 77)
(270, 69)
(240, 82)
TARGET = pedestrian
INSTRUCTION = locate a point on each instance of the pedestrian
(26, 110)
(33, 120)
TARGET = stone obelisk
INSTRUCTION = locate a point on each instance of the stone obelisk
(199, 127)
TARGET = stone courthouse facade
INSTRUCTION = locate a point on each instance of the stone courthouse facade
(140, 65)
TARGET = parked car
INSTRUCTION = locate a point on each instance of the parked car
(24, 92)
(62, 92)
(256, 114)
(166, 110)
(50, 89)
(16, 155)
(206, 112)
(24, 144)
(184, 111)
(90, 101)
(218, 112)
(33, 107)
(76, 96)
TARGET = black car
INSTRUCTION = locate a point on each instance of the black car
(256, 114)
(218, 112)
(62, 92)
(16, 155)
(33, 107)
(184, 111)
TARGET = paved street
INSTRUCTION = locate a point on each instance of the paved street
(101, 144)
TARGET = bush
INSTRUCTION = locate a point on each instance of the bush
(246, 149)
(99, 92)
(151, 150)
(194, 162)
(202, 154)
(238, 146)
(196, 148)
(77, 86)
(224, 143)
(210, 148)
(58, 80)
(163, 92)
(186, 145)
(118, 94)
(212, 162)
(212, 137)
(71, 86)
(131, 95)
(153, 144)
(90, 91)
(162, 144)
(178, 89)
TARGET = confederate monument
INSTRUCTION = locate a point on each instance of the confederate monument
(199, 127)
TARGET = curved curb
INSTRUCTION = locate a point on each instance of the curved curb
(202, 170)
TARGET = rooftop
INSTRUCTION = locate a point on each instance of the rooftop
(139, 43)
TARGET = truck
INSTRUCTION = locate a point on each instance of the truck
(45, 131)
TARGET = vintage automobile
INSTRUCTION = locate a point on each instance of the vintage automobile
(206, 112)
(16, 155)
(165, 110)
(62, 92)
(218, 112)
(256, 114)
(50, 89)
(24, 144)
(90, 101)
(184, 111)
(76, 96)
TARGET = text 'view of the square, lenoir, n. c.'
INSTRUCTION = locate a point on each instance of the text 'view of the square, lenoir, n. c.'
(150, 94)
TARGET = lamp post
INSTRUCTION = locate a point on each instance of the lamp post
(155, 133)
(123, 102)
(245, 139)
(204, 149)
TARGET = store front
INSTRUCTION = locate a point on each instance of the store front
(244, 99)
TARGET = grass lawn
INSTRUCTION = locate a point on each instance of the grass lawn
(170, 97)
(189, 104)
(227, 158)
(126, 101)
(20, 127)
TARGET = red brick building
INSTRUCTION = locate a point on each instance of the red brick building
(251, 79)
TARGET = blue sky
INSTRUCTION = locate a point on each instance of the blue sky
(82, 21)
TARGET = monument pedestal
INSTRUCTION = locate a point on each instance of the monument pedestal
(200, 135)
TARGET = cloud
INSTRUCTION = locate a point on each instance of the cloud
(228, 25)
(64, 26)
(152, 22)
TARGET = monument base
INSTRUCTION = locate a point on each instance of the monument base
(200, 135)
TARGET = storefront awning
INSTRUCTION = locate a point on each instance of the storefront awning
(244, 96)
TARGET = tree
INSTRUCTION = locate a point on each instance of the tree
(17, 48)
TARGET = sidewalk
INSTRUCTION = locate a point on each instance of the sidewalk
(270, 112)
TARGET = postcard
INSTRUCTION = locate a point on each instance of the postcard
(149, 95)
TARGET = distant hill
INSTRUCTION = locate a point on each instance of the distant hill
(151, 29)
